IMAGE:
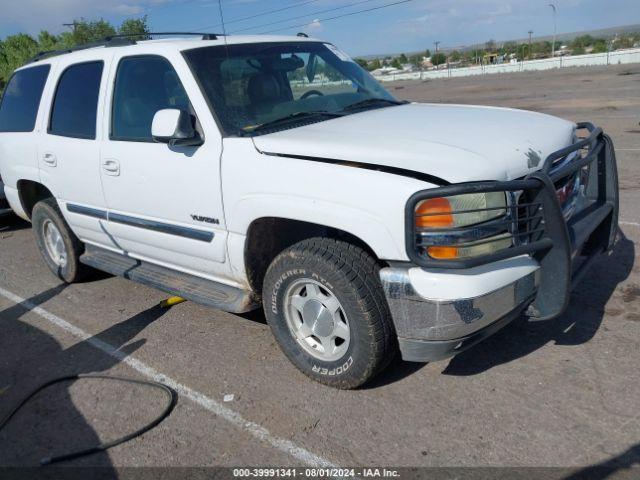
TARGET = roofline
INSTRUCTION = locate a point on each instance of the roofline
(119, 40)
(125, 41)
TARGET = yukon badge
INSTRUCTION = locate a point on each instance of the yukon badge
(200, 218)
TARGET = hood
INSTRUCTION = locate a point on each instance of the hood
(457, 143)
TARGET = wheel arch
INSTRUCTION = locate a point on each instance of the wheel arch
(268, 236)
(31, 192)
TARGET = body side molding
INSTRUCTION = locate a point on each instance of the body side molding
(193, 233)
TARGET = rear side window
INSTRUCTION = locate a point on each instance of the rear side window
(76, 102)
(19, 107)
(144, 85)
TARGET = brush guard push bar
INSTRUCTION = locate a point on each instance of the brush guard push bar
(534, 220)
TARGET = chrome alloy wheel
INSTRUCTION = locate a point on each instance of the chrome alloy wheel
(317, 320)
(54, 244)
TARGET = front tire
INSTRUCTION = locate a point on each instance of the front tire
(324, 303)
(58, 245)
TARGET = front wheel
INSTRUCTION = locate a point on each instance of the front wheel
(325, 305)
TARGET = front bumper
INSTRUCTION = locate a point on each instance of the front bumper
(431, 329)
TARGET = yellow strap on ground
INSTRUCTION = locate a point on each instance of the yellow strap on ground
(171, 301)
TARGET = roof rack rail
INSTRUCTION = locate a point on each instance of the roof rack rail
(204, 35)
(115, 42)
(118, 40)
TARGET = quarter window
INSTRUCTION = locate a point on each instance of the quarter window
(76, 102)
(144, 85)
(19, 106)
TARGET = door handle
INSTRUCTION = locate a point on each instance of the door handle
(111, 166)
(50, 159)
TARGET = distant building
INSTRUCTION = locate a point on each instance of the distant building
(386, 70)
(491, 58)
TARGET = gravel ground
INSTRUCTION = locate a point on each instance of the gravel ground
(562, 393)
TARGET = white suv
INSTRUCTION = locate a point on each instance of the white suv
(246, 171)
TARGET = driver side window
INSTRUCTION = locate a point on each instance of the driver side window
(144, 85)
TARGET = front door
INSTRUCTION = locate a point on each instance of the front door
(165, 203)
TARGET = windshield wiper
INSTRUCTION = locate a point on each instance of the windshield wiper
(317, 114)
(372, 102)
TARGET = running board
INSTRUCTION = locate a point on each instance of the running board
(196, 289)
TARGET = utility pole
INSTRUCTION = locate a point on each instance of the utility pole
(71, 25)
(436, 44)
(530, 33)
(555, 27)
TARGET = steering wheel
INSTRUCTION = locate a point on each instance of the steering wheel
(311, 92)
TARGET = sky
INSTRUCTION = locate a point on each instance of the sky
(409, 26)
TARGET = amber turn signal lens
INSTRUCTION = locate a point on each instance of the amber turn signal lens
(434, 213)
(442, 253)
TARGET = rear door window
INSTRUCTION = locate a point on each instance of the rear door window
(75, 105)
(21, 99)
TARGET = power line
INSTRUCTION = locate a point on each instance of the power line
(268, 12)
(148, 9)
(305, 15)
(338, 16)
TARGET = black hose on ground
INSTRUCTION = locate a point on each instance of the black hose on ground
(171, 395)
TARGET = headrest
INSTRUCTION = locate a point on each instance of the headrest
(263, 87)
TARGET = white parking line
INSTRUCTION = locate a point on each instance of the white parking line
(233, 417)
(633, 224)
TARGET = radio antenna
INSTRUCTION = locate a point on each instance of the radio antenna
(224, 29)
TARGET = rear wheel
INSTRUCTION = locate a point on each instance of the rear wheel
(58, 245)
(325, 305)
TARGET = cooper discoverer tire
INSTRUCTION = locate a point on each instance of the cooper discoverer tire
(325, 305)
(58, 245)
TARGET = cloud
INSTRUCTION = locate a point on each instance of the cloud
(441, 16)
(315, 26)
(126, 9)
(19, 15)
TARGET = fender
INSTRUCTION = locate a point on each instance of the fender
(362, 224)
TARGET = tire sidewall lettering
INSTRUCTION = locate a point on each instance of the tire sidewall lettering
(278, 284)
(334, 371)
(294, 272)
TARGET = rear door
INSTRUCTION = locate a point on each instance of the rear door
(165, 203)
(69, 152)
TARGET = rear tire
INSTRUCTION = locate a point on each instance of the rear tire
(325, 305)
(58, 245)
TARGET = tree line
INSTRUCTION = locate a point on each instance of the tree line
(15, 50)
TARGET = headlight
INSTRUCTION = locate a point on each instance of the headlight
(460, 210)
(447, 225)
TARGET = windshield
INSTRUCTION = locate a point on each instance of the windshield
(282, 85)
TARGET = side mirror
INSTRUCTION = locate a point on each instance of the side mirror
(174, 127)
